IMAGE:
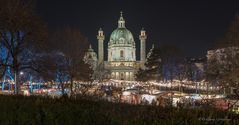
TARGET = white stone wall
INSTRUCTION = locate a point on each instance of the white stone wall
(114, 54)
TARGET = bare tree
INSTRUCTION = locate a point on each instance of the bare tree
(228, 58)
(170, 56)
(181, 73)
(19, 28)
(73, 46)
(100, 73)
(223, 62)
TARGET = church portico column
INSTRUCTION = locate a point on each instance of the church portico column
(112, 75)
(127, 76)
(117, 75)
(131, 75)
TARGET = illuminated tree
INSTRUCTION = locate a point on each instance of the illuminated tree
(153, 66)
(4, 57)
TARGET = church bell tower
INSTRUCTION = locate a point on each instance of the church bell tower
(101, 38)
(142, 38)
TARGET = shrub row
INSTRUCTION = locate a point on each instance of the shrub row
(19, 110)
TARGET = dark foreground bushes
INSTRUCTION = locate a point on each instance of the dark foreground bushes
(18, 110)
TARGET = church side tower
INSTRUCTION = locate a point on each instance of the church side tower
(101, 38)
(142, 38)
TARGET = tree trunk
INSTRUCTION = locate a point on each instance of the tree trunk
(16, 75)
(71, 86)
(180, 86)
(15, 80)
(207, 89)
(62, 88)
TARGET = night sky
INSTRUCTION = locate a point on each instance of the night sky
(192, 25)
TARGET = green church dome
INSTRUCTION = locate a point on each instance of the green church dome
(121, 36)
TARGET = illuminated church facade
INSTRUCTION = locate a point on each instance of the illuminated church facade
(121, 62)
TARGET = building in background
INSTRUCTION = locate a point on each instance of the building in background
(121, 62)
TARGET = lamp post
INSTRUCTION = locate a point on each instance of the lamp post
(16, 81)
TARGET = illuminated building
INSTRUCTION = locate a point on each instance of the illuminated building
(121, 62)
